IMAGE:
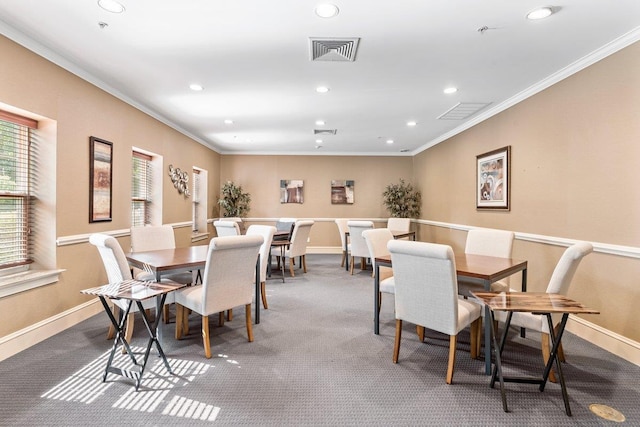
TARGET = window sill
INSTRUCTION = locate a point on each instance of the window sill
(198, 237)
(23, 281)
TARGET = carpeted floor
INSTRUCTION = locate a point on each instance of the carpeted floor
(315, 361)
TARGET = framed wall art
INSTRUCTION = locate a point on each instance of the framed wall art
(342, 192)
(291, 191)
(100, 179)
(493, 179)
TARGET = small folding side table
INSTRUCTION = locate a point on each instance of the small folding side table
(134, 291)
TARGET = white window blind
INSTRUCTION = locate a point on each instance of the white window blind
(140, 189)
(17, 172)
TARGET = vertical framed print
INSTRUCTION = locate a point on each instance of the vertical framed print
(100, 179)
(493, 181)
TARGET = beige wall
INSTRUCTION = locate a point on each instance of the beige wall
(81, 110)
(261, 175)
(575, 169)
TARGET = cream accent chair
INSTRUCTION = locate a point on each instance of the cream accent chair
(487, 242)
(427, 295)
(377, 240)
(342, 229)
(226, 228)
(399, 224)
(285, 224)
(227, 283)
(266, 231)
(298, 246)
(238, 222)
(117, 268)
(358, 247)
(558, 284)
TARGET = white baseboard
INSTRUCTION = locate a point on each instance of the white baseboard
(21, 340)
(605, 339)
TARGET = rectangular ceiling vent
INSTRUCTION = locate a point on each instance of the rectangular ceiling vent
(463, 110)
(325, 131)
(332, 49)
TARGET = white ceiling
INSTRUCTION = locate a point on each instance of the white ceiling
(253, 59)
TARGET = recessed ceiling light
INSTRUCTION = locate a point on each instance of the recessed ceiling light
(450, 90)
(540, 13)
(195, 87)
(322, 89)
(389, 141)
(228, 122)
(320, 122)
(327, 10)
(411, 123)
(318, 141)
(111, 6)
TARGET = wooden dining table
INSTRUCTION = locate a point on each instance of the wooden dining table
(170, 261)
(480, 269)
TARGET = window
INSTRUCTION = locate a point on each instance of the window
(199, 198)
(17, 157)
(141, 189)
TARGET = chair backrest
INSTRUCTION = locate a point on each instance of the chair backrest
(358, 245)
(489, 242)
(299, 238)
(266, 231)
(150, 238)
(113, 258)
(342, 228)
(229, 272)
(567, 266)
(426, 284)
(226, 228)
(399, 224)
(377, 239)
(286, 224)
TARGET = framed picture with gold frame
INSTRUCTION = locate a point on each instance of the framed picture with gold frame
(493, 180)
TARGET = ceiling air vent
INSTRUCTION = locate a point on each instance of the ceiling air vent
(463, 110)
(325, 131)
(332, 49)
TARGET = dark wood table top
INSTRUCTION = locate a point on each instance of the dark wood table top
(136, 290)
(532, 302)
(482, 267)
(170, 259)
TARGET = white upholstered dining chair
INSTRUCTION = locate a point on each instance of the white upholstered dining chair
(559, 283)
(399, 224)
(377, 239)
(342, 229)
(358, 246)
(266, 231)
(226, 284)
(117, 269)
(298, 246)
(427, 295)
(226, 228)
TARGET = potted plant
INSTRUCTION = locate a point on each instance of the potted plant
(402, 200)
(234, 201)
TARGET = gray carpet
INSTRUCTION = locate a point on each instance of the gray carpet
(315, 361)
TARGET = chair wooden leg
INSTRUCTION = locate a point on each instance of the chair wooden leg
(185, 320)
(344, 257)
(263, 291)
(420, 332)
(452, 358)
(351, 264)
(229, 315)
(379, 301)
(165, 314)
(304, 263)
(479, 337)
(546, 353)
(221, 318)
(205, 337)
(179, 320)
(363, 263)
(291, 264)
(396, 345)
(474, 338)
(561, 357)
(247, 311)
